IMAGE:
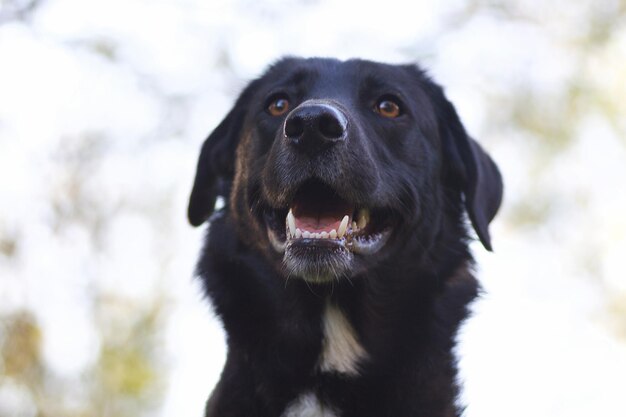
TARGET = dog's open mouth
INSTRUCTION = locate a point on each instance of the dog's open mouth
(320, 219)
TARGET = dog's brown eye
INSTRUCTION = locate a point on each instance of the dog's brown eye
(388, 108)
(278, 106)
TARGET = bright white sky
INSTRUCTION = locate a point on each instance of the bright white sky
(540, 342)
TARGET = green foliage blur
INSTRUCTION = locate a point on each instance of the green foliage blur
(125, 379)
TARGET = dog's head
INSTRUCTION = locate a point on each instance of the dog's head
(332, 167)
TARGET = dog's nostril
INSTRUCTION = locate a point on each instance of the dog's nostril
(294, 127)
(313, 127)
(330, 126)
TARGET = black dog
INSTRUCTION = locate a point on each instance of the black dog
(340, 264)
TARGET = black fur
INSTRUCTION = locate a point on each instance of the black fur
(405, 302)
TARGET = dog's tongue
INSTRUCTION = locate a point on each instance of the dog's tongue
(317, 224)
(317, 215)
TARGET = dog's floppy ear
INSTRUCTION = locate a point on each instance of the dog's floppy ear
(468, 167)
(216, 165)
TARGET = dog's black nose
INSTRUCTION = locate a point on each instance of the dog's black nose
(314, 126)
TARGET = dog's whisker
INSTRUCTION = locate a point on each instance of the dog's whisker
(349, 280)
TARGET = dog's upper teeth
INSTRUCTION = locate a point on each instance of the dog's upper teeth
(363, 218)
(298, 233)
(343, 226)
(306, 234)
(291, 223)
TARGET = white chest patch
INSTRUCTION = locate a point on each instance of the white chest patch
(341, 350)
(308, 405)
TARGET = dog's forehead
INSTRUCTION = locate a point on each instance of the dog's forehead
(325, 74)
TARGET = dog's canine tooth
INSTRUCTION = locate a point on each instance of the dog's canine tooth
(298, 233)
(291, 222)
(343, 226)
(363, 218)
(333, 234)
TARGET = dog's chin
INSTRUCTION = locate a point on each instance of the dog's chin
(317, 261)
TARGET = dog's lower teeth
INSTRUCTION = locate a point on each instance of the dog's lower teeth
(370, 244)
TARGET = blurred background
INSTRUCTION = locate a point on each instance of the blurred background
(105, 103)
